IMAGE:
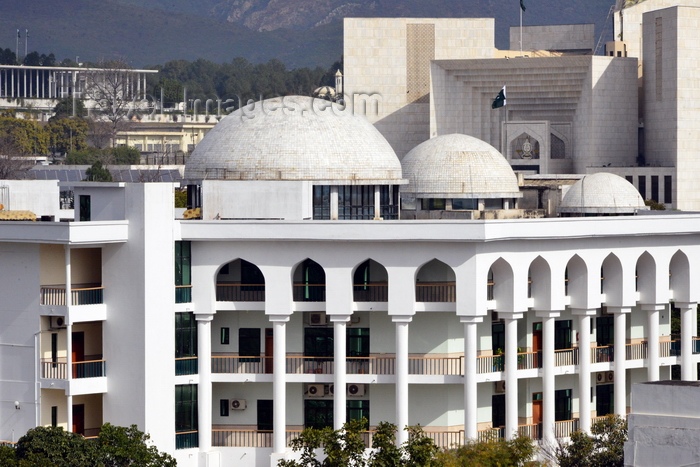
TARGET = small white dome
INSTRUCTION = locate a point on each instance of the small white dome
(295, 138)
(458, 166)
(602, 193)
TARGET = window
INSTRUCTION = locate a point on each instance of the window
(465, 204)
(318, 342)
(265, 415)
(186, 416)
(668, 189)
(54, 349)
(493, 204)
(357, 409)
(322, 202)
(655, 187)
(84, 202)
(358, 342)
(604, 328)
(318, 413)
(498, 337)
(562, 335)
(642, 182)
(223, 407)
(433, 204)
(225, 336)
(185, 344)
(562, 405)
(249, 344)
(356, 202)
(183, 276)
(54, 416)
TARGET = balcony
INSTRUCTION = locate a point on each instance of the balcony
(670, 348)
(603, 354)
(564, 357)
(435, 292)
(636, 351)
(237, 292)
(186, 366)
(309, 292)
(489, 363)
(187, 439)
(87, 294)
(56, 369)
(375, 292)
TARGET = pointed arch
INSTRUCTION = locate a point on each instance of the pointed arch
(370, 282)
(646, 278)
(679, 277)
(309, 281)
(501, 273)
(540, 284)
(576, 282)
(435, 282)
(240, 281)
(611, 280)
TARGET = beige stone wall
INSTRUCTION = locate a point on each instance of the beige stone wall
(389, 58)
(564, 37)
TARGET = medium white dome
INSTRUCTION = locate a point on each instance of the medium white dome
(458, 166)
(602, 193)
(295, 138)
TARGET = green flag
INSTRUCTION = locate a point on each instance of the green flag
(500, 99)
(522, 4)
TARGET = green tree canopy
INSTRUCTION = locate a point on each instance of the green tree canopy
(64, 108)
(98, 173)
(119, 446)
(67, 134)
(605, 447)
(22, 137)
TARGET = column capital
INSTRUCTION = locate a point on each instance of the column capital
(278, 318)
(471, 319)
(510, 314)
(547, 313)
(619, 309)
(584, 311)
(685, 304)
(338, 318)
(653, 306)
(204, 317)
(402, 318)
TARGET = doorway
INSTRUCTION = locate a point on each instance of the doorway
(79, 419)
(537, 412)
(269, 350)
(78, 353)
(537, 344)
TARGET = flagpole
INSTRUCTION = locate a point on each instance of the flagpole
(521, 32)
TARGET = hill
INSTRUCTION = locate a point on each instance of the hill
(298, 32)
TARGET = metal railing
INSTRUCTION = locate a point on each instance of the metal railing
(670, 348)
(532, 431)
(602, 354)
(187, 439)
(636, 351)
(56, 369)
(564, 428)
(435, 365)
(186, 366)
(528, 360)
(372, 292)
(309, 292)
(489, 364)
(435, 292)
(564, 357)
(383, 365)
(238, 364)
(56, 295)
(183, 294)
(236, 292)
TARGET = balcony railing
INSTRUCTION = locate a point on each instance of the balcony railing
(238, 364)
(186, 439)
(186, 366)
(56, 369)
(532, 431)
(236, 292)
(435, 365)
(56, 295)
(565, 357)
(602, 354)
(374, 292)
(490, 434)
(183, 294)
(309, 292)
(371, 365)
(528, 360)
(435, 292)
(489, 363)
(636, 351)
(564, 428)
(670, 348)
(696, 345)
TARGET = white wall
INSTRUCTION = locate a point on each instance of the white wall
(256, 199)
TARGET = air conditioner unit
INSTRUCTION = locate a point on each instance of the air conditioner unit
(602, 377)
(331, 389)
(317, 319)
(609, 376)
(315, 390)
(499, 387)
(238, 404)
(57, 322)
(356, 390)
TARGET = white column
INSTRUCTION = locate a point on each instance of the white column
(653, 340)
(279, 384)
(470, 386)
(340, 370)
(401, 377)
(584, 368)
(688, 372)
(334, 202)
(620, 365)
(511, 364)
(204, 391)
(69, 337)
(548, 379)
(377, 202)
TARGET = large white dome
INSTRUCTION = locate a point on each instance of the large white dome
(602, 193)
(458, 166)
(295, 138)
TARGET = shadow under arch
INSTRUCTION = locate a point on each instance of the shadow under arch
(240, 281)
(500, 277)
(646, 278)
(540, 284)
(309, 282)
(370, 282)
(679, 277)
(435, 282)
(576, 282)
(611, 280)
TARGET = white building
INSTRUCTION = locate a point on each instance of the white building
(292, 303)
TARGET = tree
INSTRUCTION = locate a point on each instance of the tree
(605, 447)
(52, 446)
(22, 137)
(98, 173)
(491, 453)
(64, 108)
(67, 134)
(128, 446)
